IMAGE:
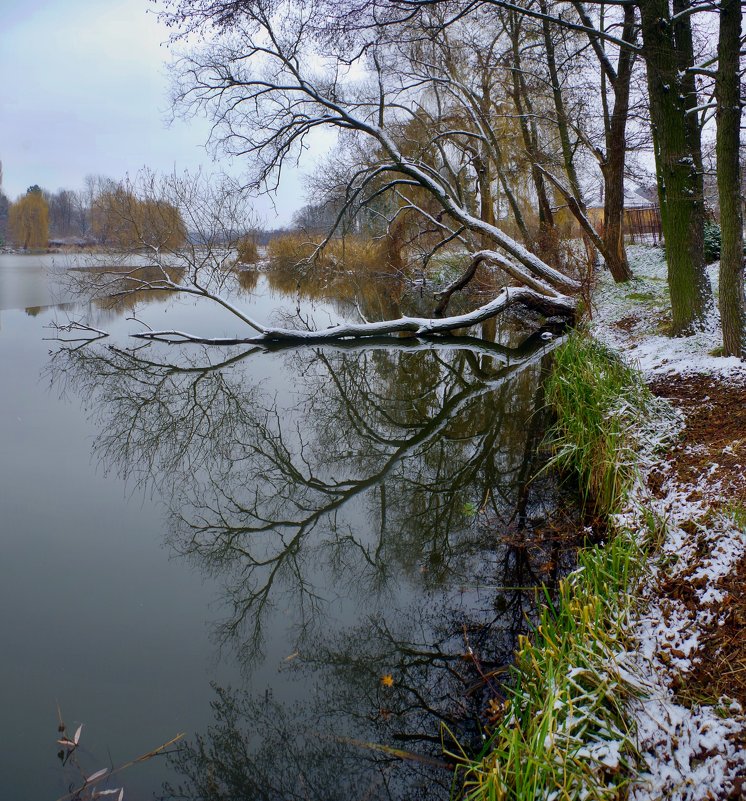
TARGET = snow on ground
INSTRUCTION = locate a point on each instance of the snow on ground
(693, 750)
(632, 317)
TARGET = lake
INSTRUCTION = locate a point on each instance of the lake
(309, 560)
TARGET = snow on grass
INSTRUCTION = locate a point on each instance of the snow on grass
(689, 751)
(633, 318)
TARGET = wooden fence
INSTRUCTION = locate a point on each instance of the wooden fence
(643, 224)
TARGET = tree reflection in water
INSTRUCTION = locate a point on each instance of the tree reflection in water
(393, 477)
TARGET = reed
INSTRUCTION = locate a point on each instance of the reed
(246, 251)
(599, 402)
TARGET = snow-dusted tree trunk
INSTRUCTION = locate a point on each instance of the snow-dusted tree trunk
(558, 305)
(679, 181)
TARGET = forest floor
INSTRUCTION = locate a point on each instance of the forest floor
(689, 636)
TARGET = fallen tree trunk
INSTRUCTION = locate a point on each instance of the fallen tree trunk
(205, 271)
(555, 305)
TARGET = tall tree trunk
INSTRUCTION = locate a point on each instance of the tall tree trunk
(727, 89)
(681, 202)
(616, 151)
(486, 201)
(560, 110)
(563, 127)
(615, 127)
(394, 244)
(523, 108)
(613, 233)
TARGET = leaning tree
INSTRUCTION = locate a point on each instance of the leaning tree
(268, 75)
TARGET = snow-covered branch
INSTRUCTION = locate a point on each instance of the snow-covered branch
(556, 305)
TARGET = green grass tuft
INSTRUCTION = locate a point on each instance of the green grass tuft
(564, 733)
(599, 401)
(737, 512)
(643, 297)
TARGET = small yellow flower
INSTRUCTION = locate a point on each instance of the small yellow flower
(387, 680)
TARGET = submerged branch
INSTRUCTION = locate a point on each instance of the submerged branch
(90, 334)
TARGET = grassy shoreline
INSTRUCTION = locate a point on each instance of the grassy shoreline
(565, 730)
(665, 618)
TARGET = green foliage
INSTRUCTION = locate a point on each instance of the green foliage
(470, 509)
(712, 242)
(599, 402)
(737, 512)
(564, 731)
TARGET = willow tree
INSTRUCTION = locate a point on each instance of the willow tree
(28, 220)
(122, 219)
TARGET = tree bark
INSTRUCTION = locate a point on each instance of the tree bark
(727, 89)
(679, 184)
(523, 108)
(682, 31)
(486, 201)
(616, 150)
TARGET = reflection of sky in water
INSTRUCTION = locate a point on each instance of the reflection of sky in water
(408, 463)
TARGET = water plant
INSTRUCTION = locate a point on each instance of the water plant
(246, 251)
(356, 253)
(86, 785)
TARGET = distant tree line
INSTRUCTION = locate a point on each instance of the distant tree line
(113, 214)
(104, 212)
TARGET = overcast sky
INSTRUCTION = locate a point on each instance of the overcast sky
(85, 91)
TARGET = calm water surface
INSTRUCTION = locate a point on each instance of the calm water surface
(288, 555)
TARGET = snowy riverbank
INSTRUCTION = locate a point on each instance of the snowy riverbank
(689, 718)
